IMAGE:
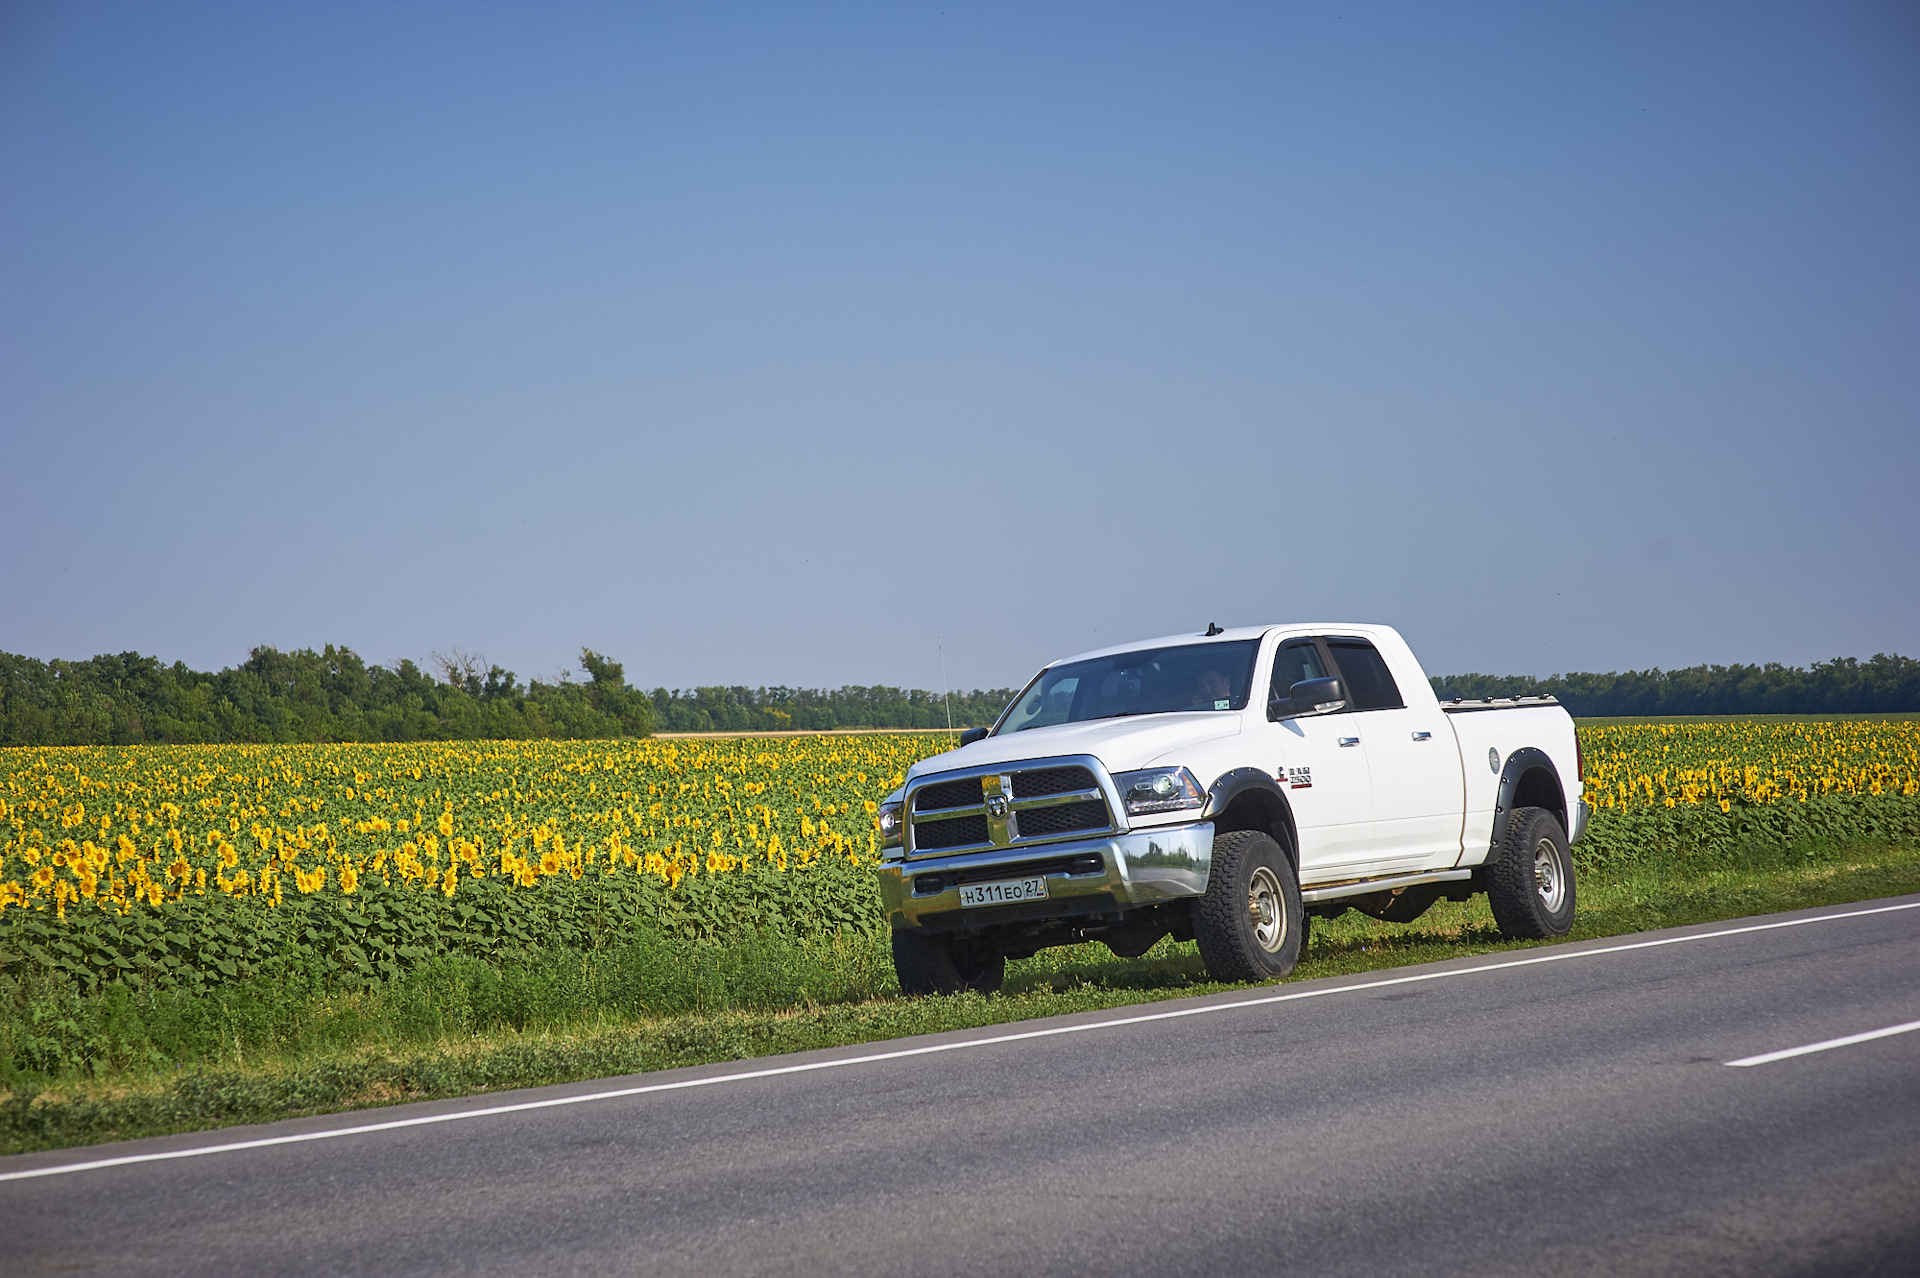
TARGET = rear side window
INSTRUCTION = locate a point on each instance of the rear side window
(1297, 659)
(1368, 681)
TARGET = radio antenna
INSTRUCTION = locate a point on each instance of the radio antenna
(945, 696)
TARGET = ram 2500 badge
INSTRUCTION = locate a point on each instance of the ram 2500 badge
(1221, 788)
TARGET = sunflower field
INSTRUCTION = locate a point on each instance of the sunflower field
(166, 866)
(179, 867)
(1694, 792)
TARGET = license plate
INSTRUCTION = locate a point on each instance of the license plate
(1033, 889)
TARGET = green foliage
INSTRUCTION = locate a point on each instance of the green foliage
(1702, 836)
(332, 941)
(333, 695)
(818, 709)
(53, 1028)
(191, 978)
(1883, 685)
(330, 695)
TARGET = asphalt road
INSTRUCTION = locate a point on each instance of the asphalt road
(1505, 1115)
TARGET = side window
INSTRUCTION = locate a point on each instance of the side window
(1045, 705)
(1365, 673)
(1297, 659)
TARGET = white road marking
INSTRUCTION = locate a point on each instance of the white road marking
(1767, 1058)
(932, 1049)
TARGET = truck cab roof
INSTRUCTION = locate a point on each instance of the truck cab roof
(1235, 634)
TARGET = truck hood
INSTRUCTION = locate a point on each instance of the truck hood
(1120, 744)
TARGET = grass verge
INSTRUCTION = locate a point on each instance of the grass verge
(385, 1047)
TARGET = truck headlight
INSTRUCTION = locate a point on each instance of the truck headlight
(1159, 790)
(891, 817)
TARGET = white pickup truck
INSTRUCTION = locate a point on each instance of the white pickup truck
(1221, 788)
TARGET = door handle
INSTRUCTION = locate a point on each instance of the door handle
(1423, 736)
(1347, 741)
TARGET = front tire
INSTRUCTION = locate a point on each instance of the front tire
(942, 963)
(1531, 886)
(1250, 925)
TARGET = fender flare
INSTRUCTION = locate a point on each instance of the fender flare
(1231, 785)
(1522, 761)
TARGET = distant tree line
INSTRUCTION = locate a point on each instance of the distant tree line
(1882, 685)
(330, 695)
(776, 709)
(333, 695)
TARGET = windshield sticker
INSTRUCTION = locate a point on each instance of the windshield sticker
(1300, 778)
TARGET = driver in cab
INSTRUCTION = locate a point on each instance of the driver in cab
(1212, 691)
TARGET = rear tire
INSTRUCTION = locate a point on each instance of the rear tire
(1531, 886)
(1250, 925)
(942, 963)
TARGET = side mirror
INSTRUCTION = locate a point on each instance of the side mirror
(1310, 696)
(972, 735)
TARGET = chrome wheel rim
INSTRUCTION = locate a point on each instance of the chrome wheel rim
(1549, 876)
(1267, 909)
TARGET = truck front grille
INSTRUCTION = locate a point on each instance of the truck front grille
(1068, 818)
(961, 832)
(1044, 803)
(1040, 782)
(948, 794)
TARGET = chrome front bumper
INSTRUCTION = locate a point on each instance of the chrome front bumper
(1143, 867)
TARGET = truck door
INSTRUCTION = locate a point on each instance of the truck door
(1417, 796)
(1323, 767)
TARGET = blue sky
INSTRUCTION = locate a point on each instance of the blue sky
(793, 344)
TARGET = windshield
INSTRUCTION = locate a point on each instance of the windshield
(1189, 676)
